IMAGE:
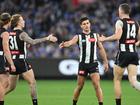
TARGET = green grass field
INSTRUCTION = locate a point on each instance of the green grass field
(59, 92)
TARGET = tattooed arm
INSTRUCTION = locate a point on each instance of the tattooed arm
(25, 37)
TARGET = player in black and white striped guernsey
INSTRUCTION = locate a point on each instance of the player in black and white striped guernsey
(88, 44)
(4, 53)
(17, 41)
(127, 31)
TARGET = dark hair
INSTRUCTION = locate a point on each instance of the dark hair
(83, 19)
(15, 20)
(126, 8)
(4, 19)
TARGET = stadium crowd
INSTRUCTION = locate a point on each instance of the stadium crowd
(62, 18)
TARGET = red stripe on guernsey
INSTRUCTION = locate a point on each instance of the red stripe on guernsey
(15, 52)
(130, 22)
(92, 39)
(12, 33)
(130, 41)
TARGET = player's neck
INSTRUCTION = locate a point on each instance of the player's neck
(125, 16)
(86, 31)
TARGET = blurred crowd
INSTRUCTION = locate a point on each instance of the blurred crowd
(61, 17)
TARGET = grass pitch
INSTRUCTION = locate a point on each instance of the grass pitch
(60, 92)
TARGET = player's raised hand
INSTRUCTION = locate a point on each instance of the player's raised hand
(61, 45)
(52, 38)
(102, 38)
(64, 44)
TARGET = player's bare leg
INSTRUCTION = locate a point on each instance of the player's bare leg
(80, 84)
(29, 77)
(3, 84)
(95, 77)
(132, 75)
(12, 83)
(1, 94)
(118, 73)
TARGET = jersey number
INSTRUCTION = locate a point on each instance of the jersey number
(13, 43)
(131, 31)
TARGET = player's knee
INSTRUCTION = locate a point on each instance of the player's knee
(96, 86)
(6, 84)
(117, 78)
(132, 83)
(12, 87)
(32, 83)
(80, 87)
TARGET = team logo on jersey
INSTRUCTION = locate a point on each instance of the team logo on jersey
(92, 39)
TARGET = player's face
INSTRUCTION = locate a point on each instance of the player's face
(21, 22)
(85, 25)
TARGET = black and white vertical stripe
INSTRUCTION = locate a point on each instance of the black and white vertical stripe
(127, 47)
(88, 49)
(129, 35)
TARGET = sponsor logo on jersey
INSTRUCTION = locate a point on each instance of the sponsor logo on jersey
(130, 22)
(92, 39)
(130, 41)
(15, 52)
(12, 33)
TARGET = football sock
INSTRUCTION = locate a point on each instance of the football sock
(34, 101)
(100, 103)
(1, 102)
(118, 101)
(74, 102)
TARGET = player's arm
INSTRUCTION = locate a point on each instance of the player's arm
(5, 44)
(138, 42)
(103, 54)
(25, 37)
(69, 43)
(117, 35)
